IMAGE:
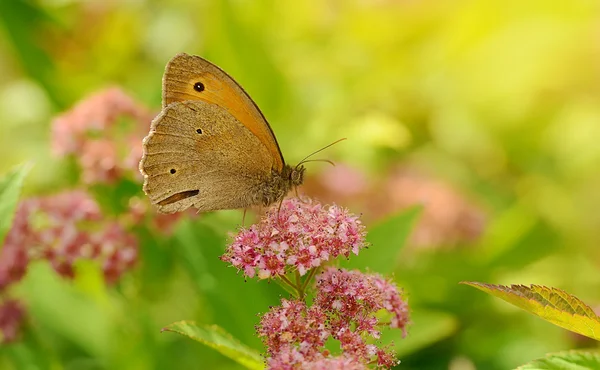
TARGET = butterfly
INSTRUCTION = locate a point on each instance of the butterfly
(211, 147)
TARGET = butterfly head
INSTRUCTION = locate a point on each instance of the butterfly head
(296, 176)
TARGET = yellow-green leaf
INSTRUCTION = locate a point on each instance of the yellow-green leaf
(551, 304)
(567, 360)
(10, 188)
(218, 339)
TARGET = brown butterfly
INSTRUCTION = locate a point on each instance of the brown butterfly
(211, 147)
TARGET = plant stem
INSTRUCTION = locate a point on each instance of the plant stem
(298, 285)
(288, 282)
(311, 274)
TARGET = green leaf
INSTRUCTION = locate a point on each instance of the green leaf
(430, 327)
(567, 360)
(115, 199)
(218, 339)
(386, 240)
(10, 188)
(21, 21)
(58, 305)
(551, 304)
(199, 247)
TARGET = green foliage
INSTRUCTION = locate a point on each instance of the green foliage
(386, 240)
(568, 360)
(561, 309)
(235, 303)
(10, 189)
(551, 304)
(218, 339)
(64, 309)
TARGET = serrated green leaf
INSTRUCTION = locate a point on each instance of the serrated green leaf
(551, 304)
(567, 360)
(218, 339)
(10, 189)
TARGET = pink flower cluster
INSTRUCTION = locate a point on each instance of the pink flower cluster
(344, 308)
(85, 131)
(141, 212)
(297, 236)
(62, 229)
(351, 295)
(11, 320)
(293, 360)
(293, 323)
(105, 151)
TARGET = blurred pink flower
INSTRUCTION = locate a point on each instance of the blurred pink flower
(85, 131)
(62, 229)
(99, 161)
(13, 258)
(344, 181)
(134, 156)
(298, 236)
(11, 320)
(448, 216)
(142, 212)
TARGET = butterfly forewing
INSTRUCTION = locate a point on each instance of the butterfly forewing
(189, 77)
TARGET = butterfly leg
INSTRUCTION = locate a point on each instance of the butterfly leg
(279, 207)
(244, 217)
(305, 201)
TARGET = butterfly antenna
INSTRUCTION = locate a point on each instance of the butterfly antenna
(318, 160)
(323, 148)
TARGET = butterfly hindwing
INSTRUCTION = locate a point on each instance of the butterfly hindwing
(198, 154)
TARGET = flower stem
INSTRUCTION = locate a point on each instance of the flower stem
(291, 285)
(299, 285)
(311, 274)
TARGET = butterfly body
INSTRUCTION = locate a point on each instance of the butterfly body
(211, 147)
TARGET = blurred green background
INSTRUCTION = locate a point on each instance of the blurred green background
(496, 102)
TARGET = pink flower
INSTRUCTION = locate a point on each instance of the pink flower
(294, 328)
(291, 359)
(343, 362)
(299, 236)
(62, 229)
(346, 308)
(141, 212)
(99, 161)
(351, 300)
(13, 257)
(347, 304)
(11, 320)
(88, 131)
(356, 296)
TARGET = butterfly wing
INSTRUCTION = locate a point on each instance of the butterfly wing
(198, 154)
(189, 77)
